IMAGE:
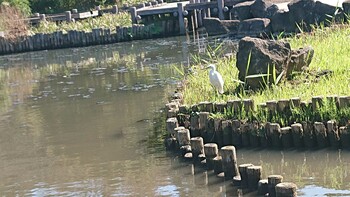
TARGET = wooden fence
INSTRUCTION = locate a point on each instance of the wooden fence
(70, 16)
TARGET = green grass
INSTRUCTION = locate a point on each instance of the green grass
(331, 52)
(107, 21)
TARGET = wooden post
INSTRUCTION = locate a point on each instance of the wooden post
(309, 135)
(229, 162)
(344, 101)
(254, 176)
(221, 9)
(245, 131)
(42, 17)
(203, 119)
(203, 122)
(236, 133)
(273, 180)
(194, 127)
(115, 9)
(344, 137)
(275, 134)
(171, 124)
(271, 106)
(217, 161)
(333, 134)
(287, 137)
(133, 14)
(183, 137)
(321, 135)
(68, 16)
(317, 102)
(180, 10)
(263, 187)
(211, 151)
(248, 105)
(170, 143)
(298, 135)
(243, 172)
(286, 190)
(197, 147)
(218, 131)
(283, 105)
(226, 132)
(295, 102)
(220, 107)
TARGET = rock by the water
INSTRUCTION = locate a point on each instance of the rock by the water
(302, 11)
(254, 27)
(281, 22)
(346, 7)
(263, 55)
(242, 10)
(259, 9)
(325, 13)
(300, 58)
(215, 26)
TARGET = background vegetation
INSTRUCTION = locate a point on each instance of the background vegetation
(56, 6)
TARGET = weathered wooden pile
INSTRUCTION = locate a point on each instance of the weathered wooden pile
(75, 38)
(246, 178)
(212, 142)
(245, 133)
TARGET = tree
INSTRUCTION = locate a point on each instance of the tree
(22, 5)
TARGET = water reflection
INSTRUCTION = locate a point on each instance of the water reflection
(87, 122)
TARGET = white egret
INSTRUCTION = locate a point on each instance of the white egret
(215, 78)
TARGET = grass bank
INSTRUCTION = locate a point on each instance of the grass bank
(331, 56)
(327, 75)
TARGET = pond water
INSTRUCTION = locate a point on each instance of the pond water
(88, 122)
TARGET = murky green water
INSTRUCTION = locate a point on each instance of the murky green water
(86, 122)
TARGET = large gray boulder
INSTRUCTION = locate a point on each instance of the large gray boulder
(302, 11)
(281, 22)
(254, 27)
(242, 10)
(346, 7)
(325, 13)
(299, 59)
(259, 9)
(271, 11)
(263, 55)
(215, 26)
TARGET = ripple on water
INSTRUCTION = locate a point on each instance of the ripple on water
(313, 190)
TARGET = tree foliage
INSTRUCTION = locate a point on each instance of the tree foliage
(22, 5)
(56, 6)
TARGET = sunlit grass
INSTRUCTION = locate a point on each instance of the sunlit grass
(107, 21)
(331, 53)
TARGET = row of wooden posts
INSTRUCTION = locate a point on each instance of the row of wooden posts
(239, 133)
(187, 15)
(74, 15)
(246, 178)
(75, 38)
